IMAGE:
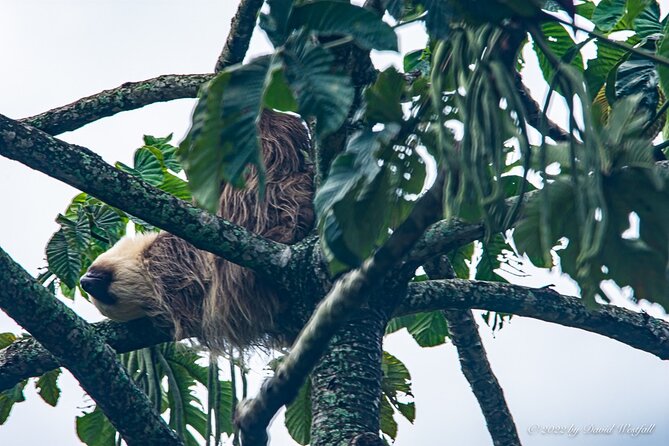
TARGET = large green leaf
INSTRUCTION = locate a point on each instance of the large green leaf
(427, 329)
(639, 76)
(10, 397)
(647, 23)
(320, 90)
(94, 429)
(223, 138)
(328, 17)
(608, 13)
(361, 199)
(47, 387)
(562, 45)
(298, 415)
(383, 98)
(608, 57)
(275, 22)
(395, 387)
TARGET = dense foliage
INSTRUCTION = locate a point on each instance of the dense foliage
(588, 196)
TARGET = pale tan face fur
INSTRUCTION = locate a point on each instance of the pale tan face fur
(129, 285)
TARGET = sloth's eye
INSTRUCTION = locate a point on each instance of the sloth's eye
(96, 283)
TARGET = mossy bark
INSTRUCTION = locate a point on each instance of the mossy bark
(346, 383)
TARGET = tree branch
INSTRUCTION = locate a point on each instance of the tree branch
(84, 353)
(129, 96)
(638, 330)
(535, 115)
(26, 358)
(241, 30)
(347, 295)
(474, 364)
(85, 170)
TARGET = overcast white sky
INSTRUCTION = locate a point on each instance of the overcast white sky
(53, 52)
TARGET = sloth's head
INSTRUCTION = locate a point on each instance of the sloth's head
(118, 281)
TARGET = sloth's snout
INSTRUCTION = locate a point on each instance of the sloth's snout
(96, 283)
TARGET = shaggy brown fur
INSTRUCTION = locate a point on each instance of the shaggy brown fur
(225, 304)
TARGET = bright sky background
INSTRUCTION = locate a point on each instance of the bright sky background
(56, 51)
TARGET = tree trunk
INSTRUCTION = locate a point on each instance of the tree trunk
(346, 383)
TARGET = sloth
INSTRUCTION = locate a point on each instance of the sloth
(202, 295)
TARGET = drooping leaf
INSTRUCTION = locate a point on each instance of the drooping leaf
(639, 76)
(608, 13)
(440, 14)
(562, 45)
(461, 260)
(599, 68)
(94, 429)
(328, 18)
(647, 23)
(428, 329)
(47, 387)
(387, 421)
(10, 397)
(223, 138)
(490, 258)
(275, 23)
(395, 387)
(64, 260)
(384, 97)
(298, 415)
(320, 90)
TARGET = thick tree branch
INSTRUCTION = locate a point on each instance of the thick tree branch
(26, 358)
(85, 170)
(476, 368)
(535, 115)
(474, 364)
(129, 96)
(84, 353)
(241, 30)
(637, 330)
(442, 237)
(347, 295)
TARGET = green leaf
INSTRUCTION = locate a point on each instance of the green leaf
(6, 339)
(429, 329)
(223, 139)
(461, 259)
(639, 76)
(387, 421)
(47, 387)
(586, 10)
(298, 415)
(94, 429)
(490, 258)
(355, 202)
(64, 260)
(440, 14)
(563, 47)
(608, 13)
(328, 18)
(10, 397)
(395, 385)
(647, 23)
(275, 23)
(383, 98)
(608, 58)
(662, 69)
(320, 91)
(418, 60)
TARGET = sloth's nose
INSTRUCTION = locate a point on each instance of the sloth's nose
(96, 283)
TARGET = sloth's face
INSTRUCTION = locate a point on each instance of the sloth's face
(117, 280)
